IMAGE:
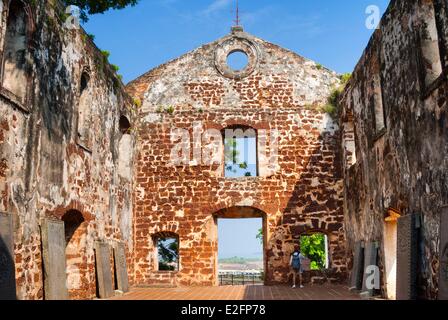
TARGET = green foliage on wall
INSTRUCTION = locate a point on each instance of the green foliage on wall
(332, 106)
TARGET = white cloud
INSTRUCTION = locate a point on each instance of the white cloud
(216, 6)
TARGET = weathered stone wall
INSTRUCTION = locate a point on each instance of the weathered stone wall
(402, 164)
(44, 169)
(278, 90)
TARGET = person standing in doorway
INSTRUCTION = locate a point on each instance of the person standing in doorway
(296, 265)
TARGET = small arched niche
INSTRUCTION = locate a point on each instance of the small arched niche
(85, 112)
(85, 78)
(125, 125)
(125, 147)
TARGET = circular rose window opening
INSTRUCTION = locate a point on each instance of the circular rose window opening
(237, 60)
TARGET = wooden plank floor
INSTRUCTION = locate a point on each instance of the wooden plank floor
(250, 292)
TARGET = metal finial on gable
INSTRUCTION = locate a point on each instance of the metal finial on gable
(237, 27)
(237, 20)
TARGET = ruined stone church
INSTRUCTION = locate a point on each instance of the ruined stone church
(88, 184)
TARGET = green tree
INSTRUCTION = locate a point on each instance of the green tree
(89, 7)
(231, 155)
(332, 106)
(168, 250)
(313, 247)
(259, 235)
(345, 78)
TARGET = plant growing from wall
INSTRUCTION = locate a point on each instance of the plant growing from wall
(133, 110)
(169, 109)
(115, 67)
(332, 106)
(137, 102)
(345, 78)
(106, 55)
(165, 109)
(85, 36)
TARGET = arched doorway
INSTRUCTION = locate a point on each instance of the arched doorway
(75, 252)
(237, 213)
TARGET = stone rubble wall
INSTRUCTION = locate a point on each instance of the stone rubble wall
(405, 166)
(44, 172)
(303, 194)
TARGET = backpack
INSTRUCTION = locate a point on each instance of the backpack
(296, 263)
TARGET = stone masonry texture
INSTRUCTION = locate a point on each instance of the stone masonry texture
(44, 169)
(128, 164)
(404, 166)
(301, 194)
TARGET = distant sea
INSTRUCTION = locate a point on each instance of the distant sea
(255, 255)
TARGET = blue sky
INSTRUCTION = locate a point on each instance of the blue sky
(246, 151)
(237, 238)
(331, 32)
(140, 38)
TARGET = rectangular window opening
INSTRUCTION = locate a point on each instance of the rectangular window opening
(380, 121)
(349, 144)
(240, 251)
(240, 152)
(167, 254)
(315, 248)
